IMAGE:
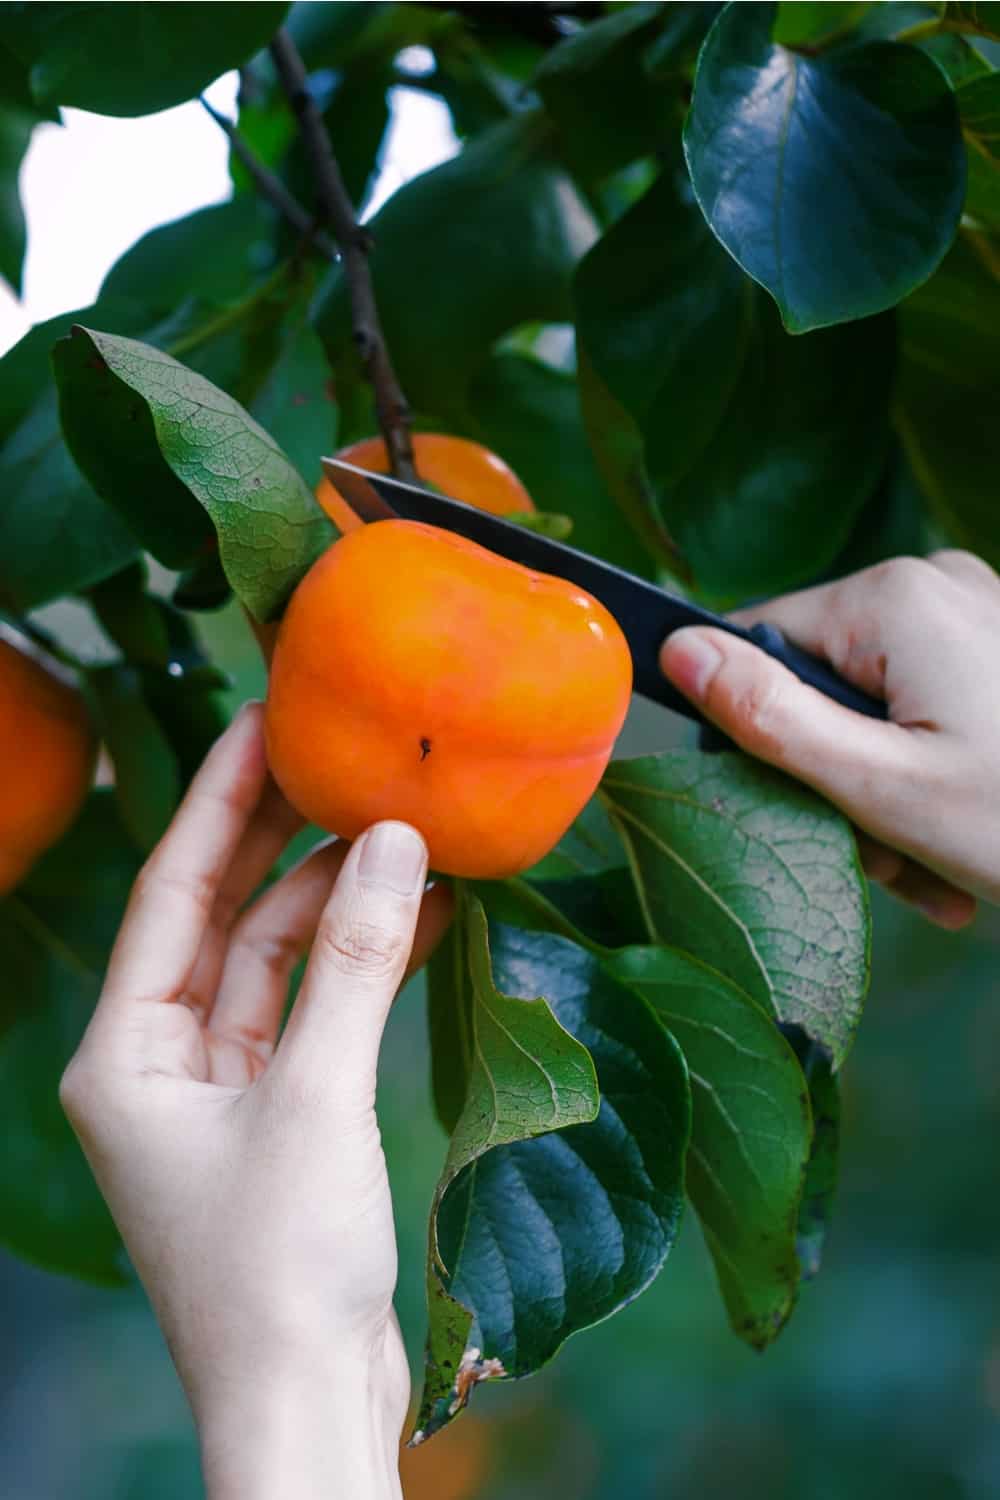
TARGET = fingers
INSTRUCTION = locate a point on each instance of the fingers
(940, 901)
(363, 943)
(865, 766)
(268, 941)
(266, 944)
(856, 622)
(273, 823)
(965, 566)
(175, 893)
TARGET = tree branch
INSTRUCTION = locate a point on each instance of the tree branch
(271, 187)
(335, 209)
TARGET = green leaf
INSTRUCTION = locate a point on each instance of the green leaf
(189, 710)
(504, 207)
(958, 59)
(526, 411)
(772, 134)
(56, 535)
(757, 450)
(293, 400)
(816, 21)
(893, 522)
(449, 1018)
(216, 254)
(971, 15)
(133, 58)
(606, 107)
(159, 442)
(589, 846)
(750, 1131)
(133, 618)
(755, 875)
(979, 105)
(56, 933)
(824, 1157)
(147, 785)
(16, 126)
(949, 380)
(545, 1225)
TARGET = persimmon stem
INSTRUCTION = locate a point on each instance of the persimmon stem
(334, 208)
(271, 187)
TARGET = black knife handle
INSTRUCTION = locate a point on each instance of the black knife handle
(816, 673)
(808, 668)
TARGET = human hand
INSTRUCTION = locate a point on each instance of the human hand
(248, 1180)
(924, 788)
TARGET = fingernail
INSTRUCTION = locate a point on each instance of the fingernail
(691, 661)
(395, 856)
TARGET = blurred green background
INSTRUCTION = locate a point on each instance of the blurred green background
(885, 1384)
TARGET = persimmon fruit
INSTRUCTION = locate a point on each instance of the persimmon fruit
(418, 676)
(456, 466)
(46, 760)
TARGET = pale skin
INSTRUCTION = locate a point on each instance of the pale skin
(246, 1173)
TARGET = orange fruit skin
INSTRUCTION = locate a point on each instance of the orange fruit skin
(418, 676)
(453, 1467)
(46, 761)
(456, 466)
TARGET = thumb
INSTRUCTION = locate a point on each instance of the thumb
(763, 707)
(358, 960)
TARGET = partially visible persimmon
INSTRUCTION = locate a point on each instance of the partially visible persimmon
(46, 760)
(418, 676)
(456, 466)
(453, 1467)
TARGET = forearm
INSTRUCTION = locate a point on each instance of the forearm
(327, 1428)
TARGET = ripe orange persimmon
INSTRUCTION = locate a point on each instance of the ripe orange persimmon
(418, 676)
(455, 1465)
(46, 760)
(455, 466)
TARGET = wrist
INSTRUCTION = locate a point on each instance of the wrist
(320, 1423)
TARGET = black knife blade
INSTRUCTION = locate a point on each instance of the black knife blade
(646, 613)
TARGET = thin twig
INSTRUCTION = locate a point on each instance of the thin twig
(270, 186)
(337, 211)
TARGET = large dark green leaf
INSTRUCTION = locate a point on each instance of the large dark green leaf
(755, 875)
(949, 383)
(750, 1131)
(980, 16)
(589, 845)
(450, 1004)
(790, 156)
(546, 1225)
(758, 450)
(132, 58)
(465, 252)
(816, 22)
(215, 254)
(285, 384)
(56, 933)
(56, 535)
(824, 1156)
(147, 784)
(170, 450)
(979, 104)
(893, 522)
(528, 412)
(607, 108)
(16, 126)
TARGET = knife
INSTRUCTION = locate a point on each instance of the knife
(646, 613)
